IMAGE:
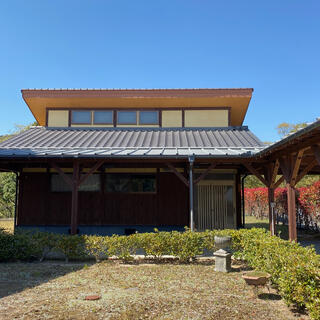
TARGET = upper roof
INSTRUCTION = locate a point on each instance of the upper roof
(38, 100)
(130, 143)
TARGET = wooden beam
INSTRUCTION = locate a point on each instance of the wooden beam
(90, 172)
(67, 179)
(316, 151)
(178, 174)
(306, 170)
(205, 173)
(255, 173)
(277, 184)
(296, 168)
(285, 165)
(275, 172)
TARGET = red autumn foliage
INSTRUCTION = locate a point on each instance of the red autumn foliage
(309, 198)
(307, 201)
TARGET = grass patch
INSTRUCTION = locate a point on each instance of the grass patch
(7, 225)
(253, 222)
(144, 291)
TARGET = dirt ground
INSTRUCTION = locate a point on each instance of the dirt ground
(56, 290)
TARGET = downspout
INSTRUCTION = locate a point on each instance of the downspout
(191, 161)
(242, 200)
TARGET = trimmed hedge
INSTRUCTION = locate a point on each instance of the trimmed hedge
(294, 270)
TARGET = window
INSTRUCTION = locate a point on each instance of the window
(81, 117)
(92, 183)
(148, 117)
(103, 117)
(59, 185)
(130, 183)
(127, 117)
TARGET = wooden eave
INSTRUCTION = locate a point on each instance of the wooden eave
(39, 100)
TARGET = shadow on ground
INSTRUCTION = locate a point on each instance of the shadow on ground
(269, 296)
(16, 277)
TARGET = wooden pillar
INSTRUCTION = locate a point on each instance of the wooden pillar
(271, 219)
(74, 203)
(75, 183)
(291, 195)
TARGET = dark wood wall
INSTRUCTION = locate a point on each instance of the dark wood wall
(39, 206)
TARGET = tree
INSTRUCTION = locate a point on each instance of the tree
(286, 128)
(8, 180)
(7, 194)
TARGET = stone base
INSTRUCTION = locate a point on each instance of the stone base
(222, 261)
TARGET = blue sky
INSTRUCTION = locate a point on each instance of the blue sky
(271, 46)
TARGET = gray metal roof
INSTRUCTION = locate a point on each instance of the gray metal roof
(132, 142)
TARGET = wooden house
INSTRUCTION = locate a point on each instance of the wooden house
(120, 161)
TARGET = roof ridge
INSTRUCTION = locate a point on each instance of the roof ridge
(132, 89)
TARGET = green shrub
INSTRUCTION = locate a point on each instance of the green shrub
(20, 246)
(187, 245)
(96, 246)
(124, 247)
(156, 244)
(7, 246)
(294, 270)
(45, 242)
(72, 246)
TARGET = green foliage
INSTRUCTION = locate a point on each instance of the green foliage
(70, 246)
(308, 180)
(124, 247)
(8, 179)
(156, 244)
(252, 182)
(97, 246)
(21, 246)
(7, 194)
(294, 270)
(187, 245)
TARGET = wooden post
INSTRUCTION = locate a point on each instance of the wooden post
(292, 212)
(74, 203)
(271, 217)
(75, 183)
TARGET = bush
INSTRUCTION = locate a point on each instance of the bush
(294, 270)
(187, 245)
(96, 246)
(124, 247)
(156, 244)
(72, 246)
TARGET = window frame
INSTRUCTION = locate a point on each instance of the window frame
(150, 123)
(77, 110)
(103, 110)
(127, 123)
(131, 173)
(69, 174)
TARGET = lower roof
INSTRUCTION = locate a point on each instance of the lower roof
(131, 143)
